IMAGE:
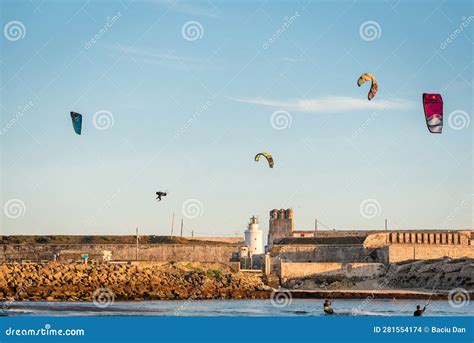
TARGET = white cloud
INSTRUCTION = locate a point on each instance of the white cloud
(329, 104)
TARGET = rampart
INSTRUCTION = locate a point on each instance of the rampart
(317, 269)
(119, 252)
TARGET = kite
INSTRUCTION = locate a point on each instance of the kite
(160, 194)
(267, 156)
(76, 122)
(369, 77)
(433, 106)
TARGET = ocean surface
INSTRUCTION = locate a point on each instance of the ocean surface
(297, 307)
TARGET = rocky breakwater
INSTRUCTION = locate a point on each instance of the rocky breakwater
(441, 274)
(78, 282)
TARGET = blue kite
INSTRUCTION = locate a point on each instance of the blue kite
(76, 122)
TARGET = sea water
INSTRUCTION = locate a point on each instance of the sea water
(295, 307)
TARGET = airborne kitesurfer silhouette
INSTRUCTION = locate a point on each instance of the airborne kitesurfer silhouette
(160, 194)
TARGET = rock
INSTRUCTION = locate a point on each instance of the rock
(77, 282)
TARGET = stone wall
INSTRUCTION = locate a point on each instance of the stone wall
(403, 252)
(329, 253)
(155, 252)
(429, 237)
(230, 240)
(291, 270)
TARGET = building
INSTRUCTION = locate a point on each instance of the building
(251, 256)
(282, 225)
(292, 251)
(254, 237)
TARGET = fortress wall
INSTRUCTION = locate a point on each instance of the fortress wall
(429, 237)
(155, 252)
(403, 252)
(291, 270)
(329, 253)
(230, 240)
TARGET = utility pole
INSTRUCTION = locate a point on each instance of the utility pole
(172, 225)
(136, 251)
(385, 224)
(192, 233)
(316, 225)
(181, 227)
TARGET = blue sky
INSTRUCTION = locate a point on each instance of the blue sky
(184, 93)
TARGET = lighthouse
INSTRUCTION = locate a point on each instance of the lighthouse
(253, 237)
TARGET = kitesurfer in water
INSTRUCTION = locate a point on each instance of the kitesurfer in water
(419, 311)
(327, 307)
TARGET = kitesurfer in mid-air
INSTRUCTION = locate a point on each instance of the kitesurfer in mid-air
(159, 195)
(327, 307)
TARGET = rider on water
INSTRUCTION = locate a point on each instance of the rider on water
(326, 307)
(419, 311)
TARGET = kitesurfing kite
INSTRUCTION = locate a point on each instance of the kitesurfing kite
(160, 194)
(433, 106)
(76, 122)
(369, 77)
(267, 156)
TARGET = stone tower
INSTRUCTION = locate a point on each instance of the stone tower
(281, 225)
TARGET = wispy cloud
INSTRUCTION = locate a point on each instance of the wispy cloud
(209, 11)
(153, 56)
(329, 104)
